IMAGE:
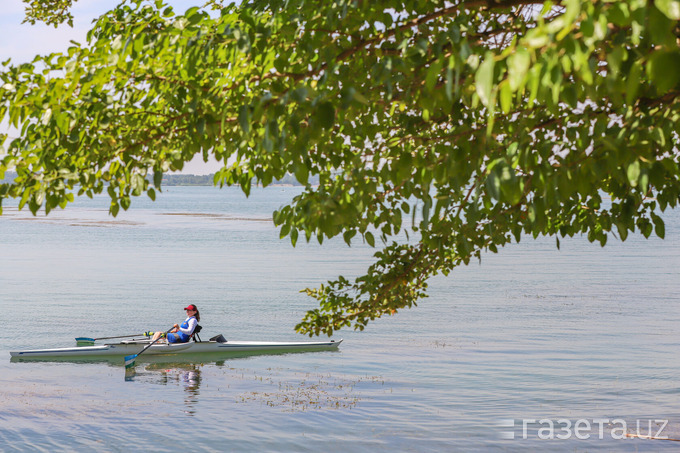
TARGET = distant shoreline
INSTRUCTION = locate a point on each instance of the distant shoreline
(172, 180)
(208, 180)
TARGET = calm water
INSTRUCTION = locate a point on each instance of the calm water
(532, 333)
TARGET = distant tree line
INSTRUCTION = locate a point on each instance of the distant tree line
(207, 180)
(290, 180)
(188, 180)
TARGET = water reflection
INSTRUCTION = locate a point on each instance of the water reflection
(185, 375)
(218, 358)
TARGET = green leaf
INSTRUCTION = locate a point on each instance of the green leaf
(157, 179)
(369, 238)
(518, 66)
(506, 98)
(633, 83)
(302, 174)
(285, 229)
(660, 28)
(46, 116)
(623, 230)
(633, 173)
(493, 185)
(484, 79)
(663, 69)
(670, 8)
(659, 227)
(299, 94)
(510, 187)
(138, 183)
(427, 205)
(432, 75)
(348, 235)
(619, 14)
(448, 87)
(360, 98)
(326, 115)
(244, 118)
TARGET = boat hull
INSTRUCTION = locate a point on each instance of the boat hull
(201, 347)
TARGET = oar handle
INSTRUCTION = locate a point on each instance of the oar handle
(125, 336)
(109, 338)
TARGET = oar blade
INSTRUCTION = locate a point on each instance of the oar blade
(84, 340)
(130, 374)
(130, 360)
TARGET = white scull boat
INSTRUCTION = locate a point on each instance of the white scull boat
(134, 346)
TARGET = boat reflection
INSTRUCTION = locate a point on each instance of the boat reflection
(218, 358)
(185, 375)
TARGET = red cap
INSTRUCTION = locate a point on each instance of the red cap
(191, 307)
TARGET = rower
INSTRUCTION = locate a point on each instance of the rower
(181, 333)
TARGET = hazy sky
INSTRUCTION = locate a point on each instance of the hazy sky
(22, 42)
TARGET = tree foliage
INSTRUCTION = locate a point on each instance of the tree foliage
(49, 12)
(466, 124)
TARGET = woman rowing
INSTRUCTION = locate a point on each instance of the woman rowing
(181, 333)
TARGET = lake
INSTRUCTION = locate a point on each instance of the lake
(532, 349)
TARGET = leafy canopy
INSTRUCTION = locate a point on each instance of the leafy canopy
(465, 124)
(50, 12)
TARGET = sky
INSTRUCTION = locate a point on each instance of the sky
(21, 42)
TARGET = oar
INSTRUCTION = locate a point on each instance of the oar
(87, 340)
(130, 359)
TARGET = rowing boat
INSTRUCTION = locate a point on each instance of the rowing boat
(219, 346)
